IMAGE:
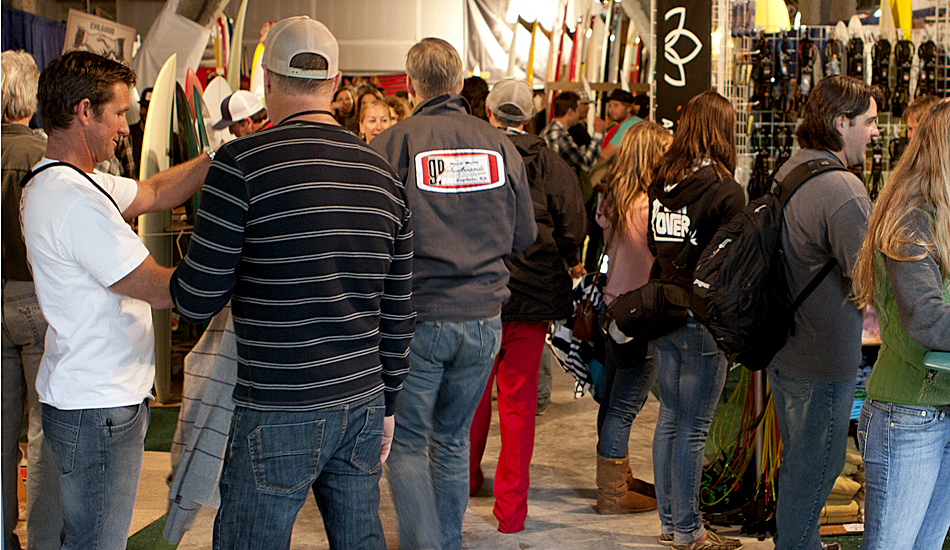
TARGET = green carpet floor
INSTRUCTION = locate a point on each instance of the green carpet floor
(161, 429)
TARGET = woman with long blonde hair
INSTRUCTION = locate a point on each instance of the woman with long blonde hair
(628, 374)
(903, 269)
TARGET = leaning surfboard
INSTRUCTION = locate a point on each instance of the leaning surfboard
(156, 156)
(234, 56)
(214, 94)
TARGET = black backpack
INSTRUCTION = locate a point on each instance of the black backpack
(739, 289)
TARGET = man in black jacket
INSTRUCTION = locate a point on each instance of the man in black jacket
(540, 292)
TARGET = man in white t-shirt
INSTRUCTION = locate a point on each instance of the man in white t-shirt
(95, 282)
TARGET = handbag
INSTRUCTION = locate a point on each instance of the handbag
(653, 310)
(585, 314)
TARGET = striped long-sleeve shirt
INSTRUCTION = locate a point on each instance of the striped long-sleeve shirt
(308, 233)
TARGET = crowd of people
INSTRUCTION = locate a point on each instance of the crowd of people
(377, 306)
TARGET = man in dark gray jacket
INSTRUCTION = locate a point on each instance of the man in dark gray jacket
(812, 377)
(471, 205)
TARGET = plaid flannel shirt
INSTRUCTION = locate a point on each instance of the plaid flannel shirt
(556, 137)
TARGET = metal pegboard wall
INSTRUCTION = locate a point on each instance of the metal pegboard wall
(727, 78)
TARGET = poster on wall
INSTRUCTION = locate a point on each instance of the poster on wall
(98, 35)
(684, 59)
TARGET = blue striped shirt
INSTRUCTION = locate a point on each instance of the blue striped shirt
(308, 233)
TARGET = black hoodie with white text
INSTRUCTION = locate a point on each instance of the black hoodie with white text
(674, 216)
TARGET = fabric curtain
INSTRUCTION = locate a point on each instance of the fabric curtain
(40, 37)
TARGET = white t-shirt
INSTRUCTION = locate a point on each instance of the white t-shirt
(100, 345)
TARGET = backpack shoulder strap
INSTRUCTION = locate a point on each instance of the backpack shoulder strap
(799, 175)
(802, 173)
(30, 175)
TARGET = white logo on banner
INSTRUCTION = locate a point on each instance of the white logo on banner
(669, 49)
(459, 170)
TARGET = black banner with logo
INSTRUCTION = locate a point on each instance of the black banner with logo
(684, 55)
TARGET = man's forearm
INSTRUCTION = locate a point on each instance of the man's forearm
(169, 188)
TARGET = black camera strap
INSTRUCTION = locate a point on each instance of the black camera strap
(26, 179)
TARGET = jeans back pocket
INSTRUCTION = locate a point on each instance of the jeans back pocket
(61, 430)
(285, 456)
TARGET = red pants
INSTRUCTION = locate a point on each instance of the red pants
(516, 371)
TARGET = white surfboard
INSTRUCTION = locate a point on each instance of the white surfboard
(234, 56)
(156, 156)
(214, 94)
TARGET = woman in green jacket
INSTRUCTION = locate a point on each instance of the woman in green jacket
(904, 270)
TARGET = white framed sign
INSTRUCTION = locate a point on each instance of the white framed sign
(98, 35)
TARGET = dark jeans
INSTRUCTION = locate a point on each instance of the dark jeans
(275, 457)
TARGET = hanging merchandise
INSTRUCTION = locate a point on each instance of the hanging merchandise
(784, 99)
(875, 180)
(903, 60)
(807, 55)
(762, 74)
(927, 82)
(880, 71)
(856, 58)
(760, 180)
(834, 56)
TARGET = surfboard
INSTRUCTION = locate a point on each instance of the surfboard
(200, 119)
(187, 135)
(156, 156)
(234, 56)
(191, 83)
(214, 94)
(257, 73)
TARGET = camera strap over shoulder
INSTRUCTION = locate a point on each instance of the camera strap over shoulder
(26, 179)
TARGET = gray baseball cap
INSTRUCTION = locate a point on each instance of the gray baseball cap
(511, 100)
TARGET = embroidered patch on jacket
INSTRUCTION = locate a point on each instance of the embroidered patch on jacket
(459, 170)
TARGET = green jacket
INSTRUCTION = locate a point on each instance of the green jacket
(899, 374)
(21, 150)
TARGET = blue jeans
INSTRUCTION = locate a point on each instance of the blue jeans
(691, 374)
(906, 453)
(99, 452)
(813, 419)
(24, 329)
(629, 373)
(429, 466)
(275, 457)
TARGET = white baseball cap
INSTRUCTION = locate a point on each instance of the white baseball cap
(238, 106)
(296, 35)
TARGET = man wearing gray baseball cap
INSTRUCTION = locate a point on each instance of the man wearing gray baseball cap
(307, 232)
(541, 290)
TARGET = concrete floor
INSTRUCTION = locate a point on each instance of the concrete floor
(561, 499)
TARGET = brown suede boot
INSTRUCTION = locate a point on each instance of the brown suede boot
(638, 485)
(613, 497)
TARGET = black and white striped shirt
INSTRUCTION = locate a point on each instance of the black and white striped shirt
(308, 233)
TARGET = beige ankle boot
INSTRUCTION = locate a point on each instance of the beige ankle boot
(613, 496)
